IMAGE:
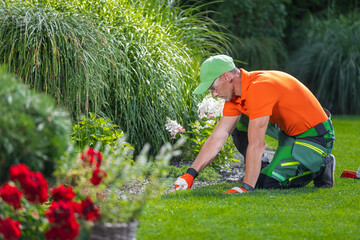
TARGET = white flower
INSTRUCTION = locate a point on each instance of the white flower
(210, 107)
(211, 122)
(173, 127)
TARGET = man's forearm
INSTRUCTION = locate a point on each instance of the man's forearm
(208, 153)
(253, 164)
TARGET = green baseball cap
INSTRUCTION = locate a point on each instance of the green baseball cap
(211, 69)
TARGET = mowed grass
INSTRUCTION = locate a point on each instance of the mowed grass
(305, 213)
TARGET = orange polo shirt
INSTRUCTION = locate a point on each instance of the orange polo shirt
(279, 95)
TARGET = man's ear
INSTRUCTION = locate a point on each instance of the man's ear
(228, 77)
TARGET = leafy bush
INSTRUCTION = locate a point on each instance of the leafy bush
(197, 136)
(210, 111)
(134, 62)
(260, 28)
(32, 130)
(253, 18)
(261, 53)
(97, 132)
(328, 61)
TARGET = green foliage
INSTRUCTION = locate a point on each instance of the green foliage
(253, 18)
(260, 26)
(197, 136)
(328, 61)
(261, 53)
(32, 130)
(315, 213)
(207, 174)
(32, 218)
(95, 131)
(135, 61)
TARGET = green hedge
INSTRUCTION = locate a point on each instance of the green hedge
(328, 62)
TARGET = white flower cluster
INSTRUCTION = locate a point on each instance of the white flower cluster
(210, 107)
(173, 127)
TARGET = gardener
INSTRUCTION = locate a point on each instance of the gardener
(279, 105)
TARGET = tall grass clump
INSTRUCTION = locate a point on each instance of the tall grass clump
(148, 54)
(54, 53)
(328, 62)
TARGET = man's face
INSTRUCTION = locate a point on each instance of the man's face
(222, 88)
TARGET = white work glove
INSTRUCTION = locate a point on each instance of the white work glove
(244, 189)
(184, 182)
(236, 190)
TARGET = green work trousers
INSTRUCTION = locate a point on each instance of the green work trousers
(298, 159)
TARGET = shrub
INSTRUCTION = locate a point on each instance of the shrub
(328, 61)
(32, 130)
(97, 132)
(210, 111)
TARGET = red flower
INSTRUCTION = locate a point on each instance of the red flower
(35, 187)
(66, 231)
(10, 228)
(18, 172)
(92, 156)
(60, 212)
(63, 221)
(77, 207)
(62, 193)
(33, 184)
(97, 176)
(11, 195)
(89, 211)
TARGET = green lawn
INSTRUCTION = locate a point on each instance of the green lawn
(306, 213)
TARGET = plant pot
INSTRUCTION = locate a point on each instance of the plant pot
(114, 231)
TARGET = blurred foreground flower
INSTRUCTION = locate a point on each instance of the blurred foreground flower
(59, 221)
(9, 228)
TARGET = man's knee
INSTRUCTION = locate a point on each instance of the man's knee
(266, 182)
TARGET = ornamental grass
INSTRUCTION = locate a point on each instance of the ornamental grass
(133, 61)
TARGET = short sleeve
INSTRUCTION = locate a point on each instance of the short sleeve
(231, 109)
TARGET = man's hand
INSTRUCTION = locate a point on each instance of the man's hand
(184, 182)
(236, 190)
(245, 188)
